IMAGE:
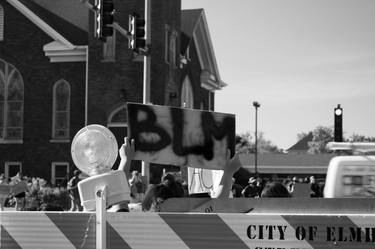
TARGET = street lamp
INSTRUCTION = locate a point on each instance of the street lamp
(256, 105)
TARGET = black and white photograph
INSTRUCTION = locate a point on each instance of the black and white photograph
(196, 124)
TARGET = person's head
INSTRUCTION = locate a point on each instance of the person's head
(76, 172)
(155, 196)
(288, 184)
(135, 173)
(275, 189)
(252, 180)
(168, 179)
(312, 179)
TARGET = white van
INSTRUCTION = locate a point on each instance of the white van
(351, 176)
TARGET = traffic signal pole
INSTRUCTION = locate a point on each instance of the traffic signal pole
(147, 76)
(104, 11)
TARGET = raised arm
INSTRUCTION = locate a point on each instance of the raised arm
(126, 152)
(232, 165)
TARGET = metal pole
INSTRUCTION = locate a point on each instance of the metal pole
(101, 217)
(146, 75)
(256, 105)
(256, 142)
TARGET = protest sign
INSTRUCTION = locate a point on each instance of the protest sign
(180, 136)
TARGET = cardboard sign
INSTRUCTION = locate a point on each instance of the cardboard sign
(180, 136)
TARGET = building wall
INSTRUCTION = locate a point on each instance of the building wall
(107, 80)
(22, 47)
(110, 84)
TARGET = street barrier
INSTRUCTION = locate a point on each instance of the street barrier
(65, 230)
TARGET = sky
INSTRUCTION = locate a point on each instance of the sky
(299, 59)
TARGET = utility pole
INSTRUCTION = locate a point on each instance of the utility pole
(146, 76)
(256, 105)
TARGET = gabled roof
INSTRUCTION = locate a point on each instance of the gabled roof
(73, 11)
(195, 29)
(71, 32)
(189, 21)
(69, 43)
(303, 144)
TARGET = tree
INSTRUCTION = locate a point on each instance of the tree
(245, 143)
(360, 138)
(321, 136)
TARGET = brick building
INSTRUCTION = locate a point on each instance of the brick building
(56, 77)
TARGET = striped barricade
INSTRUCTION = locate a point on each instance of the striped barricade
(187, 230)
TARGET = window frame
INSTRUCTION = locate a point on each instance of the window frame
(166, 45)
(113, 113)
(173, 49)
(54, 138)
(7, 75)
(109, 48)
(10, 163)
(187, 93)
(53, 171)
(2, 23)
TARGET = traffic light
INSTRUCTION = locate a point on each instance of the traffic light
(338, 124)
(137, 39)
(104, 18)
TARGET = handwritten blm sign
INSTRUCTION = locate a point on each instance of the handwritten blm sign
(180, 136)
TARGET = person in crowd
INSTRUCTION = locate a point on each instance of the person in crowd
(20, 188)
(170, 181)
(158, 193)
(252, 189)
(236, 189)
(288, 183)
(275, 189)
(74, 193)
(136, 187)
(315, 189)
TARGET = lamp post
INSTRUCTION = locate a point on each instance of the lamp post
(256, 105)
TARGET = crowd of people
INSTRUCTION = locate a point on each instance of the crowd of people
(33, 194)
(258, 187)
(38, 195)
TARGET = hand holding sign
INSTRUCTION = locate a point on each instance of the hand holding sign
(180, 136)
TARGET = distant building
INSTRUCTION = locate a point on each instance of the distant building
(302, 146)
(56, 77)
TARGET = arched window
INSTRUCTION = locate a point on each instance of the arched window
(173, 49)
(118, 117)
(11, 103)
(1, 23)
(187, 96)
(61, 110)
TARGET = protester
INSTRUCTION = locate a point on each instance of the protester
(275, 189)
(74, 193)
(157, 194)
(19, 188)
(236, 189)
(289, 184)
(252, 189)
(136, 187)
(315, 189)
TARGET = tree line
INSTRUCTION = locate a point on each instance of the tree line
(321, 135)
